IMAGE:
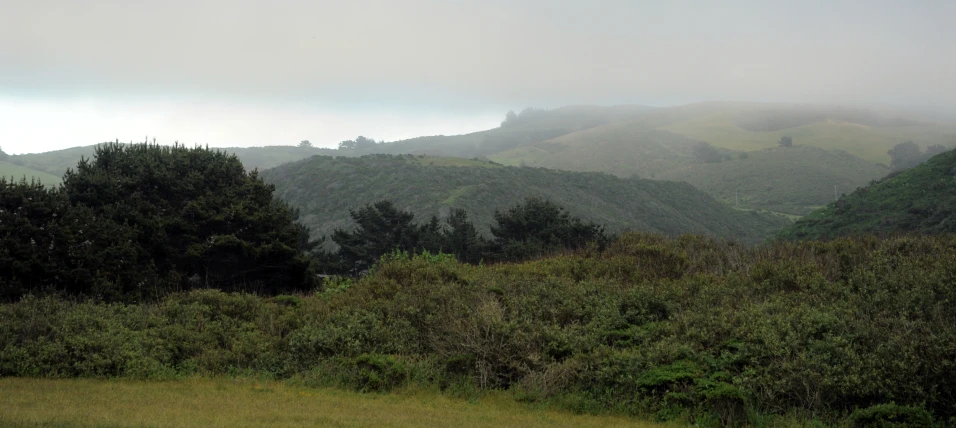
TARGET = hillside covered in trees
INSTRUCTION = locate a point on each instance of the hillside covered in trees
(920, 200)
(325, 188)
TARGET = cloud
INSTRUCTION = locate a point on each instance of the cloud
(472, 57)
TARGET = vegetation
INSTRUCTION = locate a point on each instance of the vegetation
(13, 172)
(656, 143)
(691, 329)
(138, 221)
(920, 200)
(326, 188)
(795, 180)
(238, 402)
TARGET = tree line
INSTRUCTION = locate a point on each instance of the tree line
(139, 221)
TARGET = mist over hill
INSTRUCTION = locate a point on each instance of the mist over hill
(844, 147)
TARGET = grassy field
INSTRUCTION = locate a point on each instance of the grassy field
(9, 170)
(237, 402)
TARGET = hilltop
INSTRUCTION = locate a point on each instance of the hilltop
(919, 200)
(325, 188)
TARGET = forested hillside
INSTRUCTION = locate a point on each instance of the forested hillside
(919, 200)
(325, 188)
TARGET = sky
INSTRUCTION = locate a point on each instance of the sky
(256, 72)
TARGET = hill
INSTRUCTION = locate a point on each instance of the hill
(324, 188)
(792, 180)
(920, 200)
(58, 161)
(13, 171)
(867, 133)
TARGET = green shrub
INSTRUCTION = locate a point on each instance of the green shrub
(891, 415)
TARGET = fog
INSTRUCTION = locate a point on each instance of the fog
(272, 72)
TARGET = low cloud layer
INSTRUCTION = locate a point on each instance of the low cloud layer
(473, 57)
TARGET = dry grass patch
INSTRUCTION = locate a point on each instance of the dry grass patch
(237, 403)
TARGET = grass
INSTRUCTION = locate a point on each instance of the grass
(8, 170)
(240, 402)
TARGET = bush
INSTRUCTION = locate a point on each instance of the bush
(891, 415)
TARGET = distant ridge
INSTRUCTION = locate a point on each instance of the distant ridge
(324, 188)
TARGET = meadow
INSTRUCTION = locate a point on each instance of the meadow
(238, 402)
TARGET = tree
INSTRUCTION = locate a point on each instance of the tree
(904, 155)
(359, 143)
(933, 150)
(305, 144)
(706, 153)
(539, 226)
(510, 118)
(195, 218)
(382, 228)
(785, 141)
(462, 239)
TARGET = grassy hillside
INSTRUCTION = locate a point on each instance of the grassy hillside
(794, 180)
(16, 172)
(862, 132)
(324, 188)
(920, 200)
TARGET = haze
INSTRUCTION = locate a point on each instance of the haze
(244, 73)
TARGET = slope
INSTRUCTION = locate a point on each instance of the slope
(324, 188)
(920, 200)
(16, 172)
(792, 180)
(864, 132)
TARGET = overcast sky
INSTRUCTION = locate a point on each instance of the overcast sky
(243, 73)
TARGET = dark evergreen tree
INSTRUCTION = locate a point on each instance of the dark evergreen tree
(198, 218)
(905, 155)
(382, 228)
(540, 226)
(462, 239)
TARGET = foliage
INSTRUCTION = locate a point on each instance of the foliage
(905, 155)
(794, 180)
(326, 188)
(920, 200)
(785, 141)
(137, 221)
(891, 415)
(706, 331)
(538, 227)
(706, 153)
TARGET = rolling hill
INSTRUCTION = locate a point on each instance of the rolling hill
(920, 200)
(16, 172)
(792, 180)
(658, 143)
(325, 188)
